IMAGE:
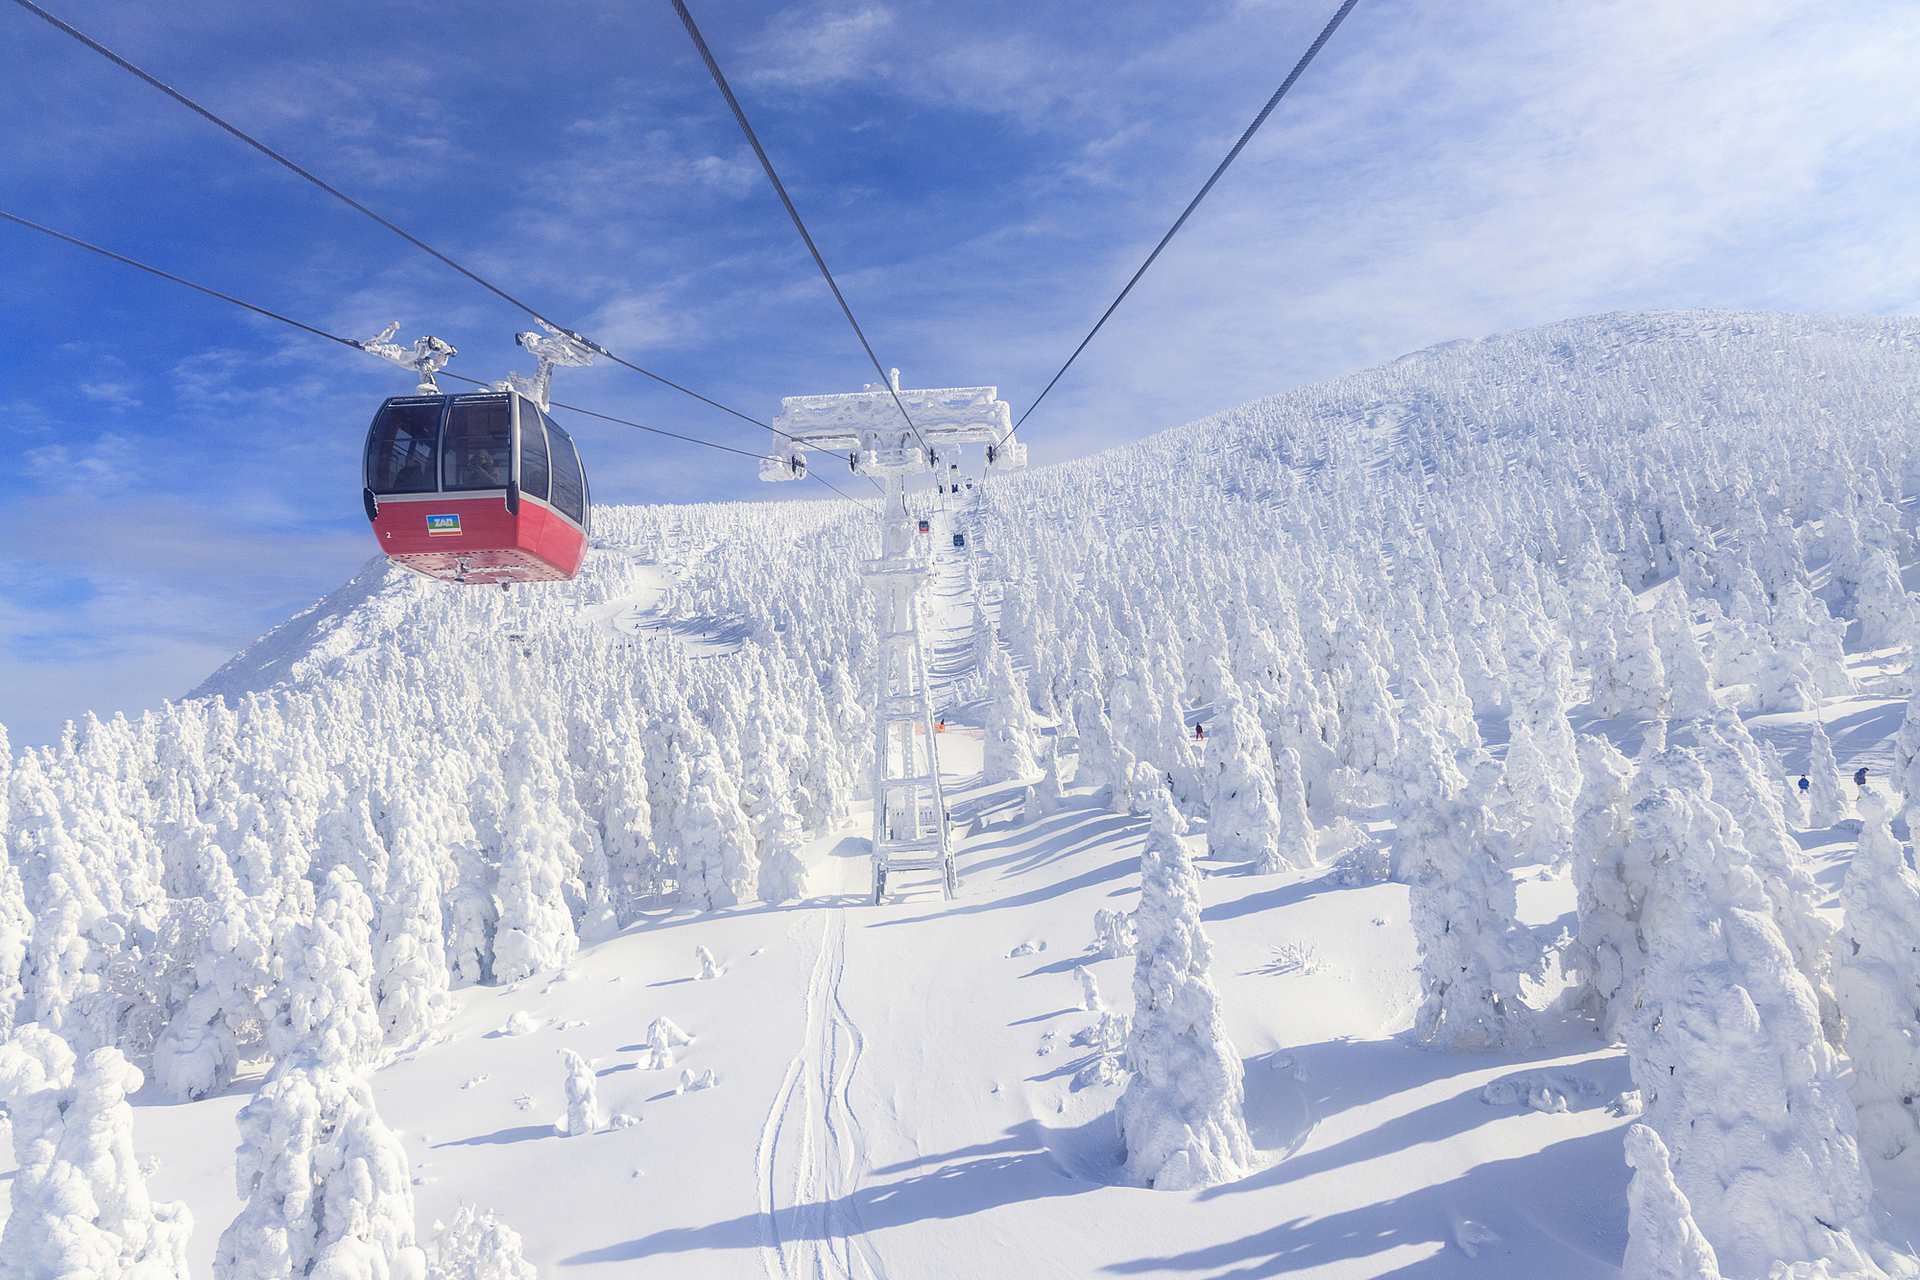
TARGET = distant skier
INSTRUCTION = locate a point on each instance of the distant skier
(1199, 733)
(1860, 783)
(1805, 786)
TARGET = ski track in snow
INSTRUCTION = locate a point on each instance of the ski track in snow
(812, 1156)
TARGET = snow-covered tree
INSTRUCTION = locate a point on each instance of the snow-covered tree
(1473, 948)
(1181, 1112)
(1828, 801)
(1297, 845)
(535, 930)
(411, 979)
(766, 796)
(583, 1110)
(1008, 750)
(1605, 956)
(326, 998)
(1244, 819)
(1725, 1045)
(1103, 761)
(1877, 980)
(80, 1204)
(477, 1246)
(325, 1181)
(1113, 933)
(1663, 1241)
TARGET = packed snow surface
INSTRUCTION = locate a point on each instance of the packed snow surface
(1380, 841)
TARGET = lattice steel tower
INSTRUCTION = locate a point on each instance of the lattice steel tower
(909, 812)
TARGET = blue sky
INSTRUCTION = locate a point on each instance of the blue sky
(982, 178)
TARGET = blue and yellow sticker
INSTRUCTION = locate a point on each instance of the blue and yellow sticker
(443, 526)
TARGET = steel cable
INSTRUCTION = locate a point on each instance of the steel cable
(342, 196)
(726, 92)
(361, 346)
(1300, 66)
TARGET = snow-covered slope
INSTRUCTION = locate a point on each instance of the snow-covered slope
(429, 838)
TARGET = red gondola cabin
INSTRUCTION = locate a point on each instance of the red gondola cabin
(480, 488)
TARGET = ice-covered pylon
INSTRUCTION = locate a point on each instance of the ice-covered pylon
(888, 433)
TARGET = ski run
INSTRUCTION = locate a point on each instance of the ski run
(1381, 842)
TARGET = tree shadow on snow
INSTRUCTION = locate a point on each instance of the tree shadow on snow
(1085, 880)
(956, 1184)
(1864, 732)
(1560, 1211)
(1031, 847)
(1283, 895)
(501, 1137)
(1343, 1074)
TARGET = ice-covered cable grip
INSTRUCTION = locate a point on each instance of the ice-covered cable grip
(426, 357)
(553, 349)
(784, 464)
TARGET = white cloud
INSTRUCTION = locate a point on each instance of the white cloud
(112, 394)
(820, 45)
(109, 463)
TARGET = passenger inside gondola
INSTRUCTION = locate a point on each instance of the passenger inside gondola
(481, 472)
(478, 431)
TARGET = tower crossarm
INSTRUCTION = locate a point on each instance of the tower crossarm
(867, 428)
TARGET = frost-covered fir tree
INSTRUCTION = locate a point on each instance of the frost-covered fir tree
(634, 865)
(1740, 785)
(1689, 682)
(1297, 844)
(1103, 761)
(1663, 1241)
(411, 978)
(766, 796)
(16, 923)
(1724, 1042)
(1473, 948)
(327, 1186)
(1605, 956)
(1877, 980)
(1244, 819)
(326, 998)
(1906, 753)
(1008, 750)
(718, 866)
(583, 1110)
(1828, 799)
(1634, 683)
(79, 1201)
(1181, 1112)
(477, 1246)
(535, 929)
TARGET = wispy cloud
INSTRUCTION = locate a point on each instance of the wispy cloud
(816, 45)
(982, 178)
(112, 394)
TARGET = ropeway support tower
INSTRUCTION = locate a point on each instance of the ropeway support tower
(877, 439)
